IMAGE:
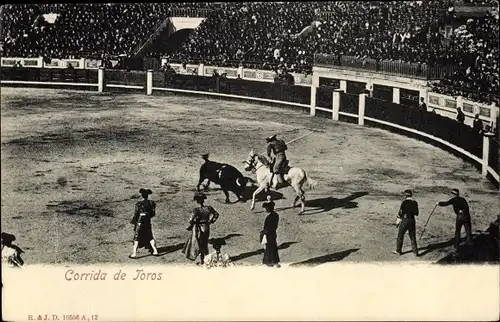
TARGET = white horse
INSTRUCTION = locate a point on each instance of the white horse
(296, 178)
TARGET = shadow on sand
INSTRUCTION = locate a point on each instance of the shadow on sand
(248, 192)
(326, 258)
(432, 247)
(259, 251)
(330, 203)
(162, 251)
(483, 249)
(326, 204)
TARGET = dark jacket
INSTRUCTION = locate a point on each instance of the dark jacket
(408, 209)
(460, 207)
(147, 207)
(270, 226)
(276, 146)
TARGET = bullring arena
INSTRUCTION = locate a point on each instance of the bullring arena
(73, 162)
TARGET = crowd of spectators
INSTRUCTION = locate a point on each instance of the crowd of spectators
(82, 30)
(270, 35)
(401, 31)
(476, 75)
(477, 2)
(17, 23)
(256, 33)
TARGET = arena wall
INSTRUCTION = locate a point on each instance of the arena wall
(481, 150)
(442, 104)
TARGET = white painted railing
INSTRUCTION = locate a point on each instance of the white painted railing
(442, 104)
(361, 117)
(447, 106)
(335, 111)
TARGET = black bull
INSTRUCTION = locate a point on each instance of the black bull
(226, 176)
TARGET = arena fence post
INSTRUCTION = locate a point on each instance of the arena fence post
(335, 104)
(369, 87)
(395, 95)
(460, 102)
(149, 82)
(486, 153)
(314, 86)
(361, 109)
(343, 85)
(240, 72)
(100, 79)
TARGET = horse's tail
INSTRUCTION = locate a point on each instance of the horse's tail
(311, 183)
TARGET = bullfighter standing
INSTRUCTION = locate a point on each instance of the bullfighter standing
(268, 236)
(461, 208)
(199, 225)
(406, 222)
(145, 209)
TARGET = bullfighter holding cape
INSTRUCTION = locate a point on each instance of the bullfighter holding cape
(199, 225)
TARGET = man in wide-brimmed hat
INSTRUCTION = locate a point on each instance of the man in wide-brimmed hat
(218, 258)
(200, 197)
(199, 225)
(277, 147)
(145, 209)
(268, 236)
(406, 222)
(461, 208)
(11, 254)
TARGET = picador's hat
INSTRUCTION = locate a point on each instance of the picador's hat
(408, 193)
(272, 137)
(217, 243)
(199, 196)
(455, 191)
(145, 191)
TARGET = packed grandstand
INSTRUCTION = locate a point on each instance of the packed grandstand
(268, 34)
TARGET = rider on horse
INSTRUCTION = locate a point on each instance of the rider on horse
(278, 147)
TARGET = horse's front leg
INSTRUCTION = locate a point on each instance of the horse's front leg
(302, 202)
(256, 192)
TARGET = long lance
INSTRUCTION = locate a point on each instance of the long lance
(300, 137)
(427, 222)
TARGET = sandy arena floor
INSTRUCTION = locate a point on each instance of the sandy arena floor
(107, 146)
